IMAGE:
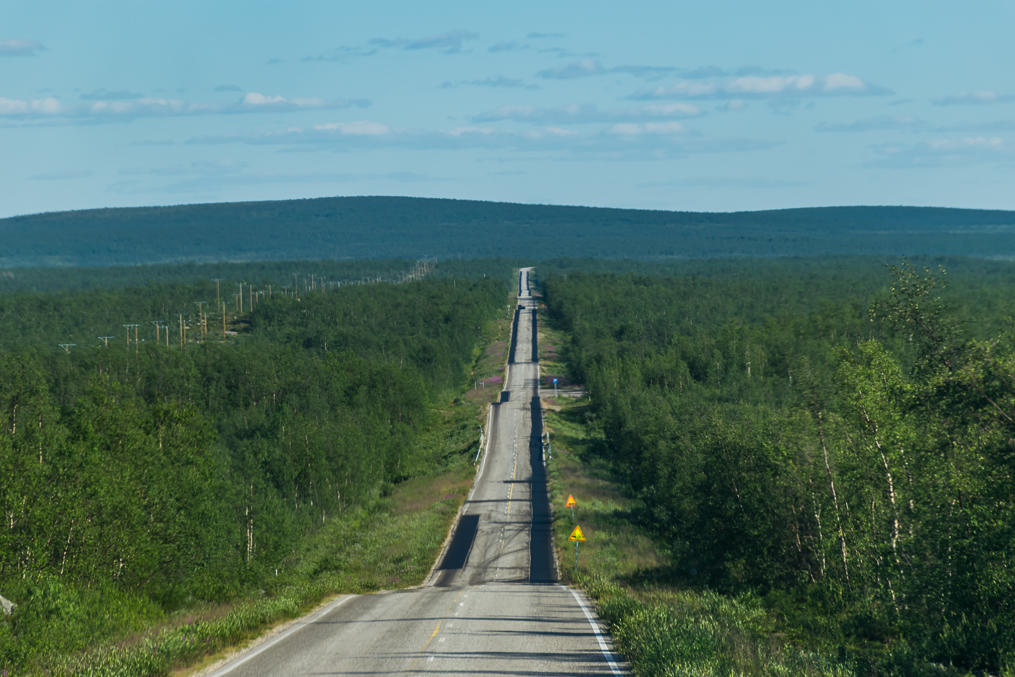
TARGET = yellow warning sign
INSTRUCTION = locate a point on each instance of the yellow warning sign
(570, 502)
(577, 534)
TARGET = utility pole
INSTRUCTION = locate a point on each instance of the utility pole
(223, 319)
(128, 327)
(181, 331)
(158, 336)
(201, 316)
(105, 339)
(241, 297)
(218, 292)
(66, 346)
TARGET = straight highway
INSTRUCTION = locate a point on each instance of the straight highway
(492, 605)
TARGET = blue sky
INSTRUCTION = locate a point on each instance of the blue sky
(714, 106)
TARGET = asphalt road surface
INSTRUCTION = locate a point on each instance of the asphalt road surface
(492, 606)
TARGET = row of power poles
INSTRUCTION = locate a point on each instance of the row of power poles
(244, 300)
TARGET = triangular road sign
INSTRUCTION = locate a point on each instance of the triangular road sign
(570, 502)
(577, 534)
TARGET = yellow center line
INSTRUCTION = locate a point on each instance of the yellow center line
(438, 628)
(511, 487)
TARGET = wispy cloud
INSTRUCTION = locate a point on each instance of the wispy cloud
(103, 105)
(945, 151)
(576, 69)
(357, 128)
(342, 53)
(531, 44)
(881, 123)
(255, 101)
(587, 113)
(497, 81)
(451, 42)
(585, 68)
(981, 97)
(20, 48)
(884, 123)
(765, 86)
(47, 106)
(509, 46)
(638, 141)
(630, 129)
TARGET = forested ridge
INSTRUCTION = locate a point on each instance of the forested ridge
(833, 436)
(141, 477)
(402, 227)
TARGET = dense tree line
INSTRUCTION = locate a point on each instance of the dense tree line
(847, 451)
(193, 473)
(386, 227)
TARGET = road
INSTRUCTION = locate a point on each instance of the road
(492, 605)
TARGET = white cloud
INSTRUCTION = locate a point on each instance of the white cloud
(586, 113)
(773, 84)
(974, 98)
(622, 141)
(498, 81)
(945, 151)
(472, 131)
(837, 81)
(451, 42)
(20, 48)
(358, 128)
(764, 86)
(144, 106)
(969, 142)
(25, 107)
(677, 109)
(120, 107)
(639, 129)
(590, 67)
(881, 123)
(256, 99)
(680, 90)
(577, 69)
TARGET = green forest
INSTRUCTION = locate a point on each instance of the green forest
(141, 477)
(832, 437)
(835, 436)
(343, 228)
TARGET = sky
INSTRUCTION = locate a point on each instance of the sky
(702, 106)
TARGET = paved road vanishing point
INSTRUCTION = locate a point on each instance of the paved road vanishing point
(492, 606)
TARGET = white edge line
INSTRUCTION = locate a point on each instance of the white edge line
(607, 654)
(298, 624)
(486, 451)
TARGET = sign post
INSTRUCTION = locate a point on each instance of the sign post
(554, 386)
(577, 536)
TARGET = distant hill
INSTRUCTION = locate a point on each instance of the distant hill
(396, 227)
